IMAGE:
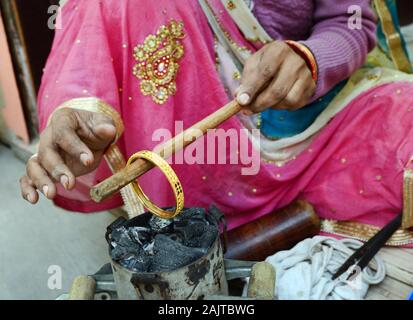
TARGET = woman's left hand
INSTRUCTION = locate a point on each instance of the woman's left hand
(275, 77)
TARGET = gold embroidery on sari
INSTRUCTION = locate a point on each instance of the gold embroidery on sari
(364, 232)
(243, 50)
(394, 41)
(158, 59)
(231, 5)
(407, 220)
(236, 75)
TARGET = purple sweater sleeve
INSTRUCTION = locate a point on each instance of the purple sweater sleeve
(338, 49)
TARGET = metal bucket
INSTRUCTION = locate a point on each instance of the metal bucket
(204, 277)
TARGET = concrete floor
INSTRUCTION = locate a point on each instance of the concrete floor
(33, 238)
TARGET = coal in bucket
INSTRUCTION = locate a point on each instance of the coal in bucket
(175, 259)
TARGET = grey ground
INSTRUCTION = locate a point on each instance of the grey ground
(32, 238)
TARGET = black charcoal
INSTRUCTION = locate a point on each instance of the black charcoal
(203, 239)
(171, 255)
(160, 225)
(164, 245)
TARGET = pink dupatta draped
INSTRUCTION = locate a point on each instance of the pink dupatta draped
(353, 169)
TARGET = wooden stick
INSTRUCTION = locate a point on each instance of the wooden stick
(116, 182)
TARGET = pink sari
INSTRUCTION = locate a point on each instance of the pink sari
(351, 171)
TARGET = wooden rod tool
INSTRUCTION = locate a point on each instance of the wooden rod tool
(116, 182)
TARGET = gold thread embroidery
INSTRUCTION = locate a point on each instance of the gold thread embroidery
(399, 57)
(217, 62)
(236, 75)
(407, 220)
(238, 47)
(157, 59)
(259, 121)
(259, 125)
(231, 5)
(364, 232)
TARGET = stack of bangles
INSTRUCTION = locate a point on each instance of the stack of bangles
(173, 180)
(307, 55)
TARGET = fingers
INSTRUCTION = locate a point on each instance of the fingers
(28, 191)
(98, 130)
(64, 126)
(50, 159)
(259, 71)
(39, 178)
(275, 77)
(72, 145)
(68, 140)
(52, 162)
(298, 96)
(276, 91)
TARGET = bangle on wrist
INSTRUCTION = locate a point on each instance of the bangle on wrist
(307, 55)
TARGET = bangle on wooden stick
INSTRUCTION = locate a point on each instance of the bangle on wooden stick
(173, 180)
(116, 182)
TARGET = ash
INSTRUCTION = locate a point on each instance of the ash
(164, 245)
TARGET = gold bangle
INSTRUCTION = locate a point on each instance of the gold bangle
(173, 181)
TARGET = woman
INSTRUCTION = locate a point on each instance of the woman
(341, 146)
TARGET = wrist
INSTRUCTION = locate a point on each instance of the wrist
(306, 54)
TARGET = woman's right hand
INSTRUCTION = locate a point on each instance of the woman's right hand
(72, 145)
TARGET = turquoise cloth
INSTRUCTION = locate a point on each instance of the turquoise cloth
(277, 124)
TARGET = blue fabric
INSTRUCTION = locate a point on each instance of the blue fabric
(277, 124)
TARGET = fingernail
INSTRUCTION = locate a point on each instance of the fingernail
(85, 159)
(243, 98)
(29, 197)
(45, 190)
(64, 180)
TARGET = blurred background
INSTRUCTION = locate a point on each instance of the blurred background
(32, 239)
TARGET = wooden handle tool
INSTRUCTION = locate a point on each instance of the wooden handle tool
(116, 182)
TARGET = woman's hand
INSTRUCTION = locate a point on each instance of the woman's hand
(275, 77)
(72, 145)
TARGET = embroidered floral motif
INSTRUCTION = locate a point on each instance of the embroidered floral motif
(231, 5)
(157, 59)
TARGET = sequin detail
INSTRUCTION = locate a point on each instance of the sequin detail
(158, 59)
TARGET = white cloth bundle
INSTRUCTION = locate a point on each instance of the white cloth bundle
(305, 271)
